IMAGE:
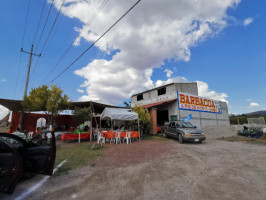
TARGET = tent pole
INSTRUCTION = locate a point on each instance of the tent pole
(112, 130)
(91, 122)
(138, 128)
(79, 136)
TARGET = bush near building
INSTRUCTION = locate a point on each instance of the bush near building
(144, 119)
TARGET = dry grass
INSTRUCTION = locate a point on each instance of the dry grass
(76, 154)
(261, 140)
(4, 129)
(154, 138)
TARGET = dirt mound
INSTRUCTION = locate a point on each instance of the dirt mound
(216, 132)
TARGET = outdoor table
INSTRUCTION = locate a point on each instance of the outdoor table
(69, 136)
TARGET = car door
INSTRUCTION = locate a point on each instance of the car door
(11, 166)
(172, 129)
(40, 153)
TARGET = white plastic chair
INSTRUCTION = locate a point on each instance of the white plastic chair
(128, 137)
(30, 134)
(117, 137)
(94, 135)
(100, 138)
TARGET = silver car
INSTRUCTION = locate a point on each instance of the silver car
(183, 131)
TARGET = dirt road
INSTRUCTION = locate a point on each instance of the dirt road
(212, 170)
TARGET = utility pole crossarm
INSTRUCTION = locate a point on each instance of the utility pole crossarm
(29, 65)
(30, 53)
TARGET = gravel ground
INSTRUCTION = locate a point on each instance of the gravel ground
(212, 170)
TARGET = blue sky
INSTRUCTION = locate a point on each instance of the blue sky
(222, 45)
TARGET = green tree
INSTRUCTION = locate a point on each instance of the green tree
(82, 114)
(144, 118)
(51, 101)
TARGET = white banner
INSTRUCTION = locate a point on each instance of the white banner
(196, 103)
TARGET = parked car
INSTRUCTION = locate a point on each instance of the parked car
(18, 156)
(183, 131)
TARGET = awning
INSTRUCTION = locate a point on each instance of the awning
(16, 105)
(118, 114)
(158, 104)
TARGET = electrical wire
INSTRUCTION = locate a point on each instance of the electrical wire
(53, 25)
(44, 25)
(22, 44)
(25, 26)
(104, 2)
(95, 42)
(44, 2)
(47, 38)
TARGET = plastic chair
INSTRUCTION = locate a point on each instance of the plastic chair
(30, 134)
(117, 137)
(94, 135)
(128, 137)
(100, 138)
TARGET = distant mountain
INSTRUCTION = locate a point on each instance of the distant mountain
(257, 113)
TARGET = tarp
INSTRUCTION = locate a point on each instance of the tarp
(118, 114)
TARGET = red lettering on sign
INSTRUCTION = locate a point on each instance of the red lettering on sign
(187, 100)
(182, 98)
(192, 100)
(197, 100)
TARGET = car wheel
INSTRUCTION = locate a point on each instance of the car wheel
(180, 138)
(164, 134)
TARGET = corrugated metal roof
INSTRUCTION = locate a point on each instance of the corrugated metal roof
(16, 105)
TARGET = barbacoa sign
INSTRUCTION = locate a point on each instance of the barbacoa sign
(195, 103)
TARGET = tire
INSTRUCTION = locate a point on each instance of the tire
(164, 134)
(180, 138)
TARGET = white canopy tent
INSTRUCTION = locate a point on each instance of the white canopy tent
(119, 114)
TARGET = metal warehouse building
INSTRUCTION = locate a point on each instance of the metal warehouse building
(176, 101)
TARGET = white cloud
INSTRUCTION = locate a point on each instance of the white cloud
(151, 33)
(3, 80)
(252, 104)
(80, 90)
(3, 112)
(168, 73)
(204, 91)
(203, 88)
(171, 80)
(248, 21)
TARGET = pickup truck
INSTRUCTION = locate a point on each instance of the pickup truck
(183, 131)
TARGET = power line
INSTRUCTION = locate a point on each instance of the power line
(95, 41)
(25, 26)
(48, 35)
(44, 2)
(45, 24)
(53, 25)
(104, 2)
(22, 44)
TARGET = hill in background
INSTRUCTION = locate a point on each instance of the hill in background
(242, 119)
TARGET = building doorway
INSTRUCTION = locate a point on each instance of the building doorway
(162, 117)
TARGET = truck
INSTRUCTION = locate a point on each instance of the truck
(183, 131)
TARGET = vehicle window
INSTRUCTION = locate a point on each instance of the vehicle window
(11, 140)
(173, 124)
(4, 148)
(184, 125)
(42, 139)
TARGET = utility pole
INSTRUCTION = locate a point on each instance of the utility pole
(27, 81)
(29, 65)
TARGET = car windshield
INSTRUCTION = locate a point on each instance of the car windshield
(10, 140)
(184, 125)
